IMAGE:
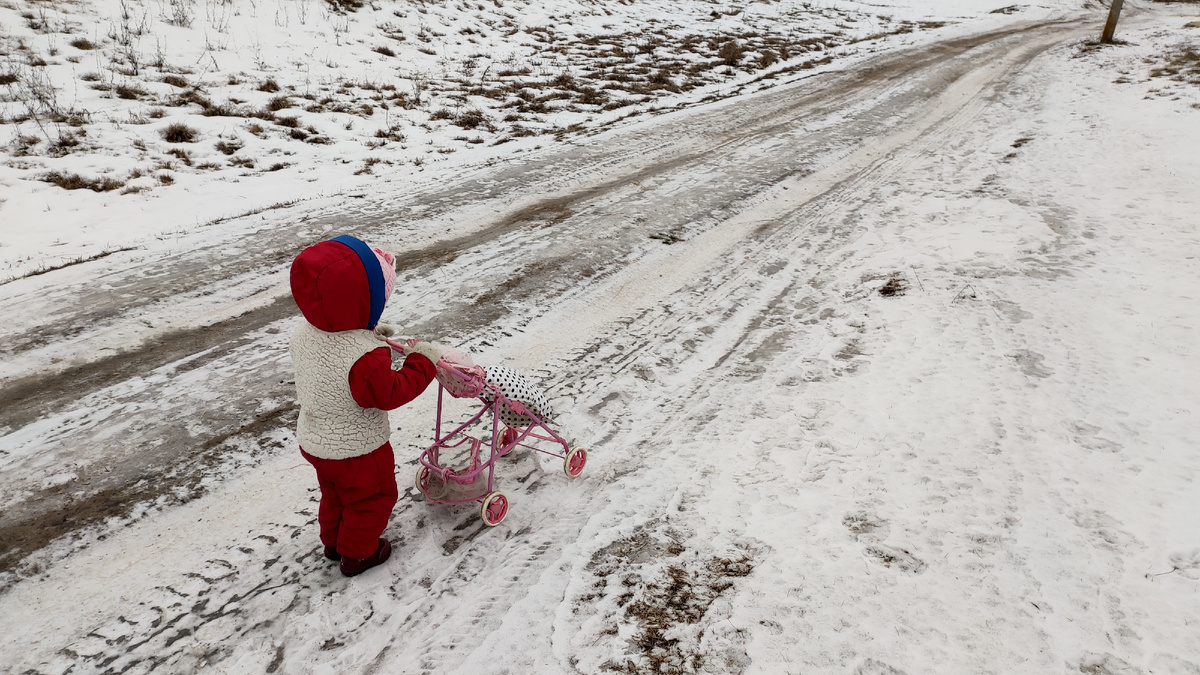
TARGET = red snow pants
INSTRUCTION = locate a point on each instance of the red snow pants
(357, 496)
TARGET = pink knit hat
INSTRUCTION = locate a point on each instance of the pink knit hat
(387, 262)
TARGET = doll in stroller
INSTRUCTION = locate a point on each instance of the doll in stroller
(519, 416)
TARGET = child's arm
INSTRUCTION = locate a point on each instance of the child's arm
(374, 384)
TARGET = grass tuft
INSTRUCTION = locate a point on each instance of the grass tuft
(731, 52)
(182, 155)
(73, 181)
(129, 92)
(471, 119)
(895, 286)
(177, 132)
(227, 148)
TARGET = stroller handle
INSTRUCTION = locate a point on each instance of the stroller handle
(461, 380)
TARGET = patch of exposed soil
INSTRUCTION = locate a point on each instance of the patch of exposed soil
(655, 595)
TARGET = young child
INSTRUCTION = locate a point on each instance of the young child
(345, 383)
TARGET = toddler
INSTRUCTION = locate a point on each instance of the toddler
(346, 381)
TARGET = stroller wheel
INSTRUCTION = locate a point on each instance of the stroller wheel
(574, 461)
(505, 436)
(493, 509)
(422, 476)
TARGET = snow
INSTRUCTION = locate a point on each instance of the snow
(922, 401)
(242, 161)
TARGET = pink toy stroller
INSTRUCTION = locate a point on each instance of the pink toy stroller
(514, 423)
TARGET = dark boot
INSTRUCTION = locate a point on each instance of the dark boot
(332, 554)
(353, 566)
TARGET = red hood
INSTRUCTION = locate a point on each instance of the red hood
(331, 288)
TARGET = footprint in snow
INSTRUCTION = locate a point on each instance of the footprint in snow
(873, 667)
(1030, 363)
(865, 525)
(1106, 664)
(893, 557)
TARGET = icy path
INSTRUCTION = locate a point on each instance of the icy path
(988, 467)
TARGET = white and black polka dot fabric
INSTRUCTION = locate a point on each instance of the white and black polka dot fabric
(514, 387)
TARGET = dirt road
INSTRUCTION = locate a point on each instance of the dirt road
(700, 241)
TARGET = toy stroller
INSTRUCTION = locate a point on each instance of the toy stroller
(519, 415)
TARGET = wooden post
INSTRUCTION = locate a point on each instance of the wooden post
(1114, 12)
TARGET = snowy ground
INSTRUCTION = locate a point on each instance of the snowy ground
(281, 102)
(911, 391)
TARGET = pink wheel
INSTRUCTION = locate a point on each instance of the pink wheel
(574, 462)
(506, 436)
(493, 509)
(422, 476)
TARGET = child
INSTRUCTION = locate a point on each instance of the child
(345, 384)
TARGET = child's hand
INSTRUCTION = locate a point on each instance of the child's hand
(428, 350)
(383, 330)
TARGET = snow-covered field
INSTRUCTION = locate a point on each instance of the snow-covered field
(886, 363)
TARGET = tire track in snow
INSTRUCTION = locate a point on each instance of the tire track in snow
(693, 406)
(124, 297)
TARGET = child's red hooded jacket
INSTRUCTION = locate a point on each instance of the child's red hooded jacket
(345, 379)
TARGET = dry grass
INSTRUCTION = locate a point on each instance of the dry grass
(182, 155)
(73, 181)
(471, 119)
(894, 286)
(177, 132)
(1182, 65)
(370, 162)
(731, 52)
(228, 148)
(565, 72)
(391, 133)
(65, 144)
(129, 92)
(76, 261)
